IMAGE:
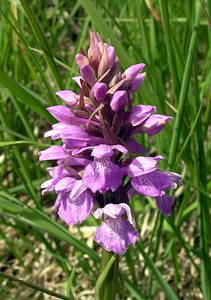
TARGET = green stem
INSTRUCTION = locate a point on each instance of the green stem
(106, 283)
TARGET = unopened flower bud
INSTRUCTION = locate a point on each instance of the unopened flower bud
(111, 56)
(81, 60)
(140, 114)
(155, 124)
(119, 100)
(103, 65)
(99, 91)
(133, 71)
(88, 74)
(94, 52)
(68, 97)
(137, 82)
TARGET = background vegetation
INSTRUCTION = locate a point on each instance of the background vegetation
(40, 258)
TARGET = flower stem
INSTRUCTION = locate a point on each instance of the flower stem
(106, 283)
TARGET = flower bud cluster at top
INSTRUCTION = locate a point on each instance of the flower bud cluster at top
(100, 165)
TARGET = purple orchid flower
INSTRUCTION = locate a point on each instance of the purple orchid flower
(115, 233)
(100, 164)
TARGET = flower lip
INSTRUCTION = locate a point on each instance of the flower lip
(115, 232)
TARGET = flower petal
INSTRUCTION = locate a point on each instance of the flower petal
(65, 184)
(143, 165)
(61, 113)
(155, 183)
(102, 151)
(68, 97)
(155, 124)
(140, 114)
(146, 186)
(116, 235)
(133, 71)
(102, 175)
(77, 210)
(165, 204)
(119, 101)
(53, 153)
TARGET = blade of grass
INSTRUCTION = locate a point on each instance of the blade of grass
(164, 285)
(69, 284)
(42, 41)
(24, 170)
(27, 51)
(168, 44)
(40, 220)
(200, 172)
(183, 92)
(15, 143)
(34, 286)
(18, 91)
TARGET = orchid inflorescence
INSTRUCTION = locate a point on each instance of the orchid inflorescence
(100, 165)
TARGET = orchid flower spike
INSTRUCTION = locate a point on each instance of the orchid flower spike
(100, 165)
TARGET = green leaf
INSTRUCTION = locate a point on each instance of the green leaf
(24, 96)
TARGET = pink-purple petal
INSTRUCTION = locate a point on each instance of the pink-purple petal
(155, 124)
(116, 235)
(143, 165)
(102, 175)
(61, 113)
(77, 210)
(53, 153)
(68, 97)
(165, 203)
(140, 114)
(102, 151)
(155, 183)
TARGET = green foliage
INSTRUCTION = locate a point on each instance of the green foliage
(38, 42)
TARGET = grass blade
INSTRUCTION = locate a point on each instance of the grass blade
(164, 285)
(42, 41)
(184, 90)
(24, 96)
(34, 286)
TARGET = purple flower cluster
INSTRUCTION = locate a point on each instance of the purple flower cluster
(100, 165)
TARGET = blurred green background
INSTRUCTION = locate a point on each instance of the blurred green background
(40, 258)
